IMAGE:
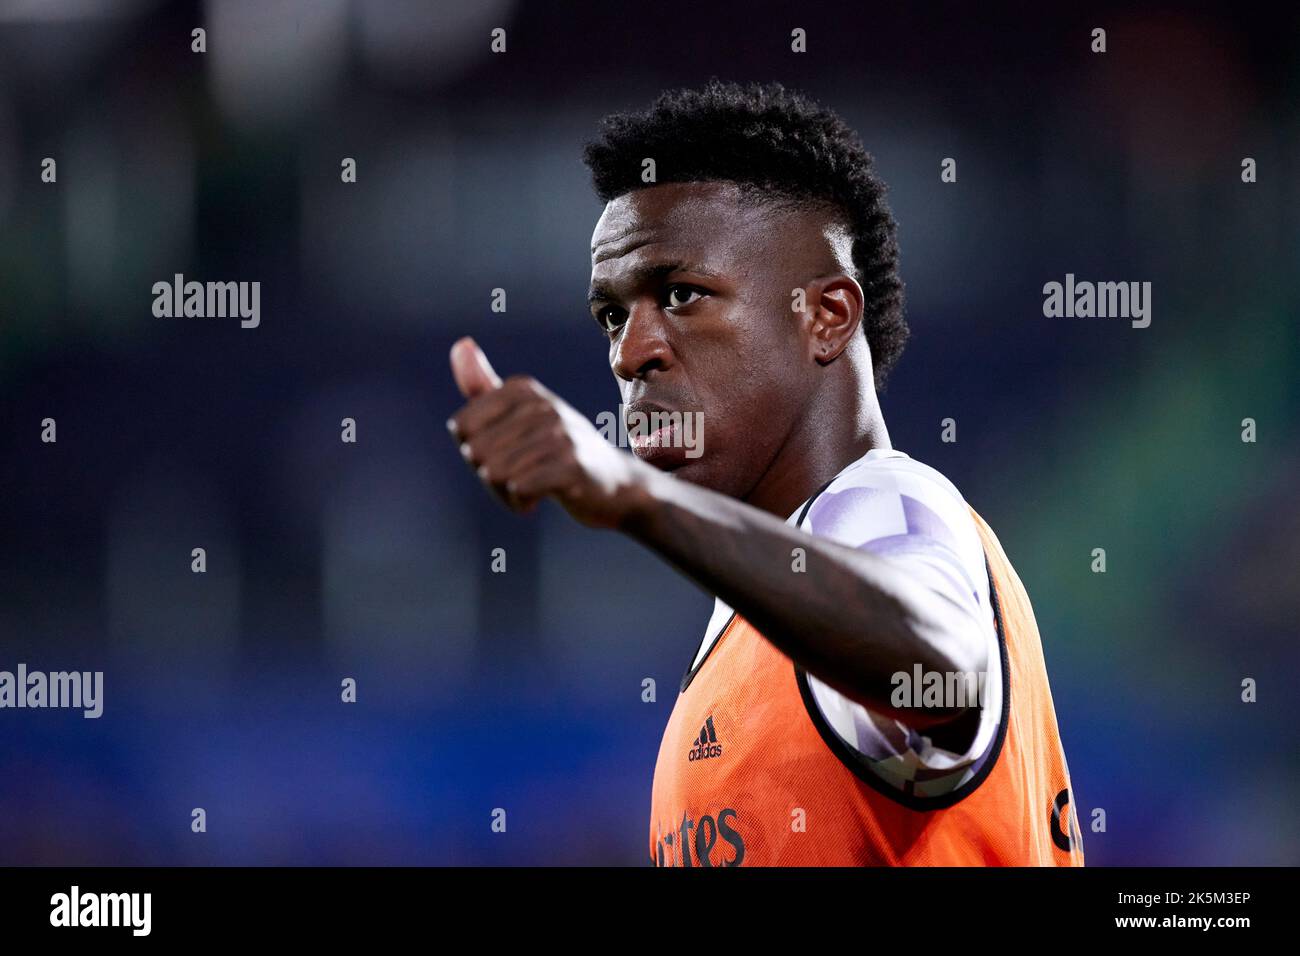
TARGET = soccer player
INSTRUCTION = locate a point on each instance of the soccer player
(870, 688)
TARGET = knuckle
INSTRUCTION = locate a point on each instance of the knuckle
(537, 412)
(456, 424)
(528, 385)
(557, 439)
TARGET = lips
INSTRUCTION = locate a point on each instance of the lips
(654, 432)
(642, 407)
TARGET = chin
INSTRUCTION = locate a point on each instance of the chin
(702, 472)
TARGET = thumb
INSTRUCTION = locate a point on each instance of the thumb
(470, 368)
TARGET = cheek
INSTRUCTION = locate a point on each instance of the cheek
(746, 422)
(742, 374)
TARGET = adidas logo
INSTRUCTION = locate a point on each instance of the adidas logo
(706, 744)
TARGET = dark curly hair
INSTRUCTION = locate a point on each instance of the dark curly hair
(771, 142)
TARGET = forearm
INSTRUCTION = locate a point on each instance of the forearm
(850, 618)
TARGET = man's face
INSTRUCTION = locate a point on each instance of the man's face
(694, 287)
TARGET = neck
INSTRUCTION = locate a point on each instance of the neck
(834, 431)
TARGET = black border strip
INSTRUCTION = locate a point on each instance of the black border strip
(861, 764)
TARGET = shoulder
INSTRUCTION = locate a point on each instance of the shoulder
(890, 470)
(887, 493)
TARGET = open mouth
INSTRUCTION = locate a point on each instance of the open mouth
(661, 447)
(659, 435)
(666, 435)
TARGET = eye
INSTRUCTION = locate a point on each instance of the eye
(677, 293)
(610, 318)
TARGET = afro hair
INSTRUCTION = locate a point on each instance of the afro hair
(772, 142)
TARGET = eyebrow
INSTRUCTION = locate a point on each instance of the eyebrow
(647, 274)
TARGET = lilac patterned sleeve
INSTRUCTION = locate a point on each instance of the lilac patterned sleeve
(911, 515)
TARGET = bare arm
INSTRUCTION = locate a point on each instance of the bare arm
(851, 618)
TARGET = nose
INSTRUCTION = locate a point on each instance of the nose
(642, 346)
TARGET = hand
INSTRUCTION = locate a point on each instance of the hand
(526, 444)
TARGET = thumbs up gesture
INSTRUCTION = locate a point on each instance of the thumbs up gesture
(527, 444)
(471, 369)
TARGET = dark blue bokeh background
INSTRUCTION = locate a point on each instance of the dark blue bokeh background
(523, 690)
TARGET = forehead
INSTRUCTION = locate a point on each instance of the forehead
(698, 220)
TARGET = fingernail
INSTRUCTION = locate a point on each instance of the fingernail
(464, 450)
(451, 425)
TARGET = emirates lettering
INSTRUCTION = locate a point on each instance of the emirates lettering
(706, 842)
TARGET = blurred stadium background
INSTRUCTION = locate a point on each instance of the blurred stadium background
(522, 690)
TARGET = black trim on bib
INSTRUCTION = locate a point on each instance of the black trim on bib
(693, 670)
(861, 765)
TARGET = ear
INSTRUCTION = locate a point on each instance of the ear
(833, 316)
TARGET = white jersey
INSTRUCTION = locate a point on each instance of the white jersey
(911, 515)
